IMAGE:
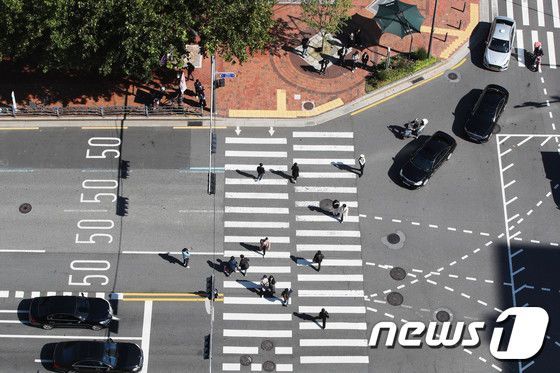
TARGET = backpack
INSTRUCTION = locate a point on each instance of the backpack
(244, 264)
(272, 280)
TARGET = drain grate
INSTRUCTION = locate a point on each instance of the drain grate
(393, 238)
(267, 345)
(308, 105)
(269, 366)
(395, 299)
(397, 273)
(245, 360)
(24, 208)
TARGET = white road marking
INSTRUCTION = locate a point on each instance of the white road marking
(259, 224)
(247, 284)
(255, 154)
(269, 269)
(509, 8)
(339, 135)
(324, 148)
(240, 350)
(301, 247)
(331, 359)
(265, 301)
(22, 251)
(18, 294)
(146, 330)
(555, 14)
(253, 167)
(284, 367)
(546, 140)
(453, 263)
(327, 175)
(256, 239)
(507, 167)
(505, 152)
(432, 282)
(92, 210)
(551, 49)
(448, 288)
(334, 326)
(247, 181)
(321, 189)
(512, 218)
(283, 350)
(325, 161)
(525, 12)
(253, 254)
(511, 200)
(231, 367)
(451, 229)
(331, 309)
(466, 296)
(333, 342)
(241, 195)
(433, 226)
(256, 210)
(257, 316)
(330, 293)
(326, 218)
(414, 223)
(257, 333)
(137, 252)
(524, 141)
(520, 48)
(540, 13)
(509, 184)
(326, 233)
(316, 203)
(331, 278)
(70, 337)
(332, 262)
(481, 302)
(256, 140)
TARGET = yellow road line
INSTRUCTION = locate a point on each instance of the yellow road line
(459, 64)
(104, 128)
(169, 300)
(419, 84)
(18, 128)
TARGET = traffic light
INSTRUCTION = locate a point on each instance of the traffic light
(210, 287)
(122, 206)
(124, 167)
(207, 347)
(214, 144)
(219, 83)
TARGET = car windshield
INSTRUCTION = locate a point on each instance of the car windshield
(498, 45)
(110, 355)
(420, 161)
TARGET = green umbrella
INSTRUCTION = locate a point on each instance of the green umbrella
(399, 18)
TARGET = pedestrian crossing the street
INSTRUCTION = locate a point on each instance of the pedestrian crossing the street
(260, 330)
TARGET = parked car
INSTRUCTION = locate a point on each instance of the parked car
(499, 44)
(70, 311)
(486, 112)
(97, 356)
(427, 159)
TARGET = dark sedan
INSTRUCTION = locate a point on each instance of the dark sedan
(97, 356)
(486, 112)
(427, 159)
(70, 311)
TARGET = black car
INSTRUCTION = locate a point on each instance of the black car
(486, 112)
(70, 311)
(97, 356)
(427, 159)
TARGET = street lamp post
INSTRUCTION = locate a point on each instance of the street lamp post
(432, 31)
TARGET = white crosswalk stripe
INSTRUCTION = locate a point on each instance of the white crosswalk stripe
(253, 167)
(326, 248)
(327, 233)
(256, 140)
(255, 210)
(333, 262)
(555, 14)
(326, 218)
(255, 333)
(509, 8)
(333, 342)
(260, 224)
(256, 195)
(520, 48)
(332, 309)
(321, 189)
(246, 284)
(258, 316)
(525, 12)
(252, 300)
(540, 13)
(338, 135)
(245, 181)
(324, 148)
(345, 359)
(310, 325)
(255, 154)
(324, 161)
(330, 293)
(255, 239)
(327, 175)
(331, 278)
(317, 203)
(551, 49)
(253, 254)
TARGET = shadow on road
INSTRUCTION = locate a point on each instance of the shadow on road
(462, 112)
(551, 164)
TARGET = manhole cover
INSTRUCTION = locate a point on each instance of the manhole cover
(308, 105)
(24, 208)
(245, 360)
(267, 345)
(453, 76)
(397, 273)
(443, 315)
(393, 238)
(269, 366)
(395, 299)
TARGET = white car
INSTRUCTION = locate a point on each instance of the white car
(499, 44)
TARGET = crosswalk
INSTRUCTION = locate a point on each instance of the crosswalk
(290, 215)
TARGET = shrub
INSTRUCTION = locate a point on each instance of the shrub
(420, 54)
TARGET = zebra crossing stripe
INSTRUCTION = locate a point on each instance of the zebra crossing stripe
(330, 359)
(231, 367)
(326, 218)
(4, 293)
(321, 189)
(246, 284)
(326, 248)
(283, 350)
(253, 254)
(509, 8)
(240, 350)
(540, 13)
(256, 140)
(520, 48)
(332, 309)
(255, 154)
(257, 316)
(317, 203)
(321, 233)
(256, 239)
(242, 195)
(339, 135)
(331, 293)
(253, 224)
(332, 262)
(269, 269)
(255, 210)
(555, 14)
(327, 175)
(525, 12)
(257, 333)
(551, 49)
(333, 342)
(284, 367)
(324, 161)
(246, 181)
(253, 167)
(35, 294)
(332, 278)
(310, 325)
(324, 148)
(253, 301)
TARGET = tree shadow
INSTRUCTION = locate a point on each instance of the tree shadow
(370, 31)
(282, 35)
(246, 174)
(463, 111)
(402, 157)
(170, 258)
(282, 174)
(477, 43)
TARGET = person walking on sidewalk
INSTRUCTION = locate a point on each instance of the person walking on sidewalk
(243, 264)
(260, 172)
(343, 212)
(265, 245)
(355, 60)
(264, 285)
(304, 46)
(295, 173)
(365, 60)
(198, 88)
(324, 63)
(186, 256)
(362, 163)
(341, 54)
(323, 316)
(286, 294)
(272, 285)
(318, 258)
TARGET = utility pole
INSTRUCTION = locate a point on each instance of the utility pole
(432, 31)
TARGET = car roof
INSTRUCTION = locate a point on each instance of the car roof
(57, 304)
(502, 29)
(435, 144)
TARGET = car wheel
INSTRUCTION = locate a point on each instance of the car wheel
(95, 327)
(48, 326)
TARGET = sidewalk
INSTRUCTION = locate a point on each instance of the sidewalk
(278, 83)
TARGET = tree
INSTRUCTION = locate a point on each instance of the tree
(327, 16)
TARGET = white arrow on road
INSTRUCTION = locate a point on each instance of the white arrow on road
(271, 131)
(237, 130)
